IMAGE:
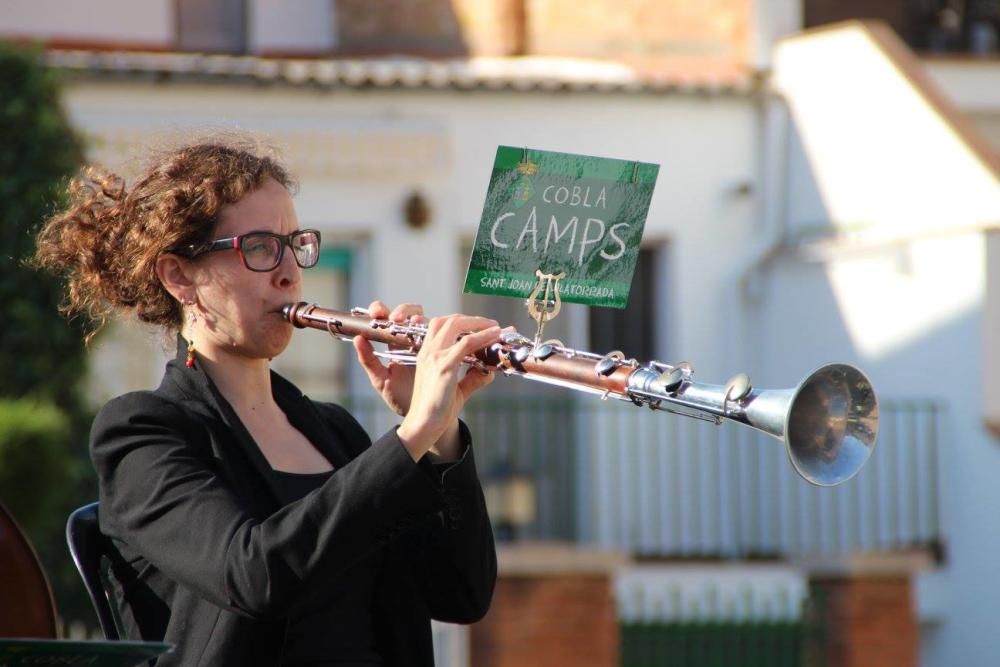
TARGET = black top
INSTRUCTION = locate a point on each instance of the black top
(210, 560)
(338, 627)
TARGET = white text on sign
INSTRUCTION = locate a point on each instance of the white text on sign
(594, 230)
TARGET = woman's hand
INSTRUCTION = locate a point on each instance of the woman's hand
(431, 394)
(394, 382)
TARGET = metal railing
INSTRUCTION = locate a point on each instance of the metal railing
(722, 643)
(688, 614)
(610, 475)
(451, 644)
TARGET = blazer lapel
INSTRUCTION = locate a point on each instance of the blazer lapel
(196, 385)
(304, 416)
(301, 413)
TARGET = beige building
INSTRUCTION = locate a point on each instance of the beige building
(822, 197)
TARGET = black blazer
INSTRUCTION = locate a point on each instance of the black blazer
(209, 560)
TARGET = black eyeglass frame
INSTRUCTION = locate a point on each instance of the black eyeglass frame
(236, 243)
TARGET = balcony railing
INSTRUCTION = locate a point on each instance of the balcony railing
(654, 484)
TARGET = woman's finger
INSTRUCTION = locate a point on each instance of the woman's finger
(378, 310)
(450, 329)
(377, 373)
(473, 342)
(406, 311)
(461, 322)
(410, 313)
(474, 380)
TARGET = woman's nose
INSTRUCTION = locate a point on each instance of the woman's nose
(288, 271)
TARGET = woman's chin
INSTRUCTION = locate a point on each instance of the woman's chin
(277, 340)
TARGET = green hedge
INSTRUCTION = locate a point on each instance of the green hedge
(720, 644)
(44, 475)
(36, 463)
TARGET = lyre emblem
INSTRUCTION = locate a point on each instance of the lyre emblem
(545, 307)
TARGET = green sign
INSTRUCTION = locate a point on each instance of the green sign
(561, 213)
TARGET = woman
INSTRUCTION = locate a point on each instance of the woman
(256, 526)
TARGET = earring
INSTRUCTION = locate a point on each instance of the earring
(189, 361)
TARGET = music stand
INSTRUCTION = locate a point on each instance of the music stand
(93, 653)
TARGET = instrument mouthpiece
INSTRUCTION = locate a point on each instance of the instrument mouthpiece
(289, 310)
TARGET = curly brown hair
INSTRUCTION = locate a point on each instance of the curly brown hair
(106, 241)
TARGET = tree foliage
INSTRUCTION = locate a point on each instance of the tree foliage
(41, 354)
(44, 471)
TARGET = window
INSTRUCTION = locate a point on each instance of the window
(930, 26)
(213, 26)
(633, 328)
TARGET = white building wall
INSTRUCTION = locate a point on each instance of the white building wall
(910, 311)
(358, 155)
(286, 27)
(147, 22)
(804, 316)
(772, 21)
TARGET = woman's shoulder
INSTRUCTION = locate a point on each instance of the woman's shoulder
(142, 407)
(139, 402)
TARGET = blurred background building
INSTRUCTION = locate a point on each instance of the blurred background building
(828, 192)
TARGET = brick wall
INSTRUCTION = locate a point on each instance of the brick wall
(711, 30)
(551, 620)
(553, 606)
(868, 620)
(431, 27)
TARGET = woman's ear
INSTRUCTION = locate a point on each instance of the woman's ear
(175, 274)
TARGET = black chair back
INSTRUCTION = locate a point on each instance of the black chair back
(88, 546)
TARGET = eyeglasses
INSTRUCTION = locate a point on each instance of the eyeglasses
(263, 251)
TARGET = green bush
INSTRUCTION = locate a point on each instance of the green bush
(45, 475)
(34, 453)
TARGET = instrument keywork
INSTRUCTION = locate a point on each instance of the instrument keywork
(828, 423)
